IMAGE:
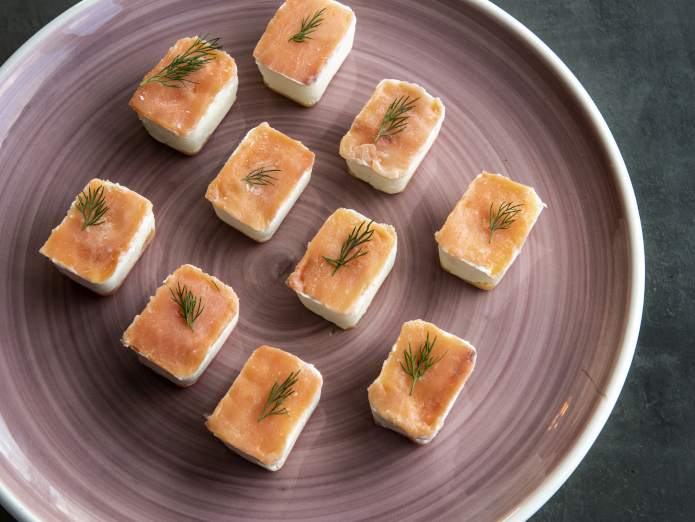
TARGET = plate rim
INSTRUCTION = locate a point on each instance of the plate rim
(615, 384)
(537, 498)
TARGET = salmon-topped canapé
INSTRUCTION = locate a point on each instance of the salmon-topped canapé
(251, 420)
(303, 61)
(487, 228)
(339, 275)
(261, 180)
(416, 408)
(391, 134)
(101, 248)
(181, 109)
(184, 324)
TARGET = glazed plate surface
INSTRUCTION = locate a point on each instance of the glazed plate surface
(87, 433)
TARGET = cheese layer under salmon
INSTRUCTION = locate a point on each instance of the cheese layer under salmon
(421, 415)
(161, 334)
(180, 110)
(95, 252)
(396, 157)
(342, 292)
(466, 232)
(303, 62)
(235, 419)
(257, 205)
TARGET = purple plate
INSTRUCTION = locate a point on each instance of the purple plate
(86, 432)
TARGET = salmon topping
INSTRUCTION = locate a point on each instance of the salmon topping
(422, 413)
(392, 157)
(466, 233)
(257, 205)
(93, 253)
(235, 419)
(341, 291)
(303, 62)
(162, 335)
(181, 109)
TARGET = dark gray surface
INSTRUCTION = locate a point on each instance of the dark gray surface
(636, 58)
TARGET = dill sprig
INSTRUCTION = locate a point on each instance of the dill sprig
(416, 367)
(504, 216)
(278, 394)
(354, 240)
(185, 299)
(394, 121)
(195, 58)
(92, 206)
(260, 177)
(308, 27)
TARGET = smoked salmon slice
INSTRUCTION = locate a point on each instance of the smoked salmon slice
(485, 232)
(343, 294)
(180, 347)
(100, 256)
(260, 182)
(184, 116)
(386, 152)
(253, 425)
(417, 410)
(303, 46)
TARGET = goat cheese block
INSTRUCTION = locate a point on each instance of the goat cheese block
(101, 255)
(389, 162)
(254, 426)
(260, 182)
(341, 293)
(469, 248)
(185, 117)
(303, 47)
(417, 411)
(176, 341)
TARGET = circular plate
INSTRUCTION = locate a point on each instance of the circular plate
(88, 433)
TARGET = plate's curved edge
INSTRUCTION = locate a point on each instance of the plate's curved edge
(553, 482)
(558, 477)
(43, 33)
(8, 500)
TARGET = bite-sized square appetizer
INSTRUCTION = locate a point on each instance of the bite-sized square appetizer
(260, 182)
(184, 98)
(303, 46)
(267, 407)
(391, 135)
(420, 381)
(105, 232)
(485, 232)
(344, 266)
(184, 325)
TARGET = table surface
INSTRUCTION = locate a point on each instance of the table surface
(636, 59)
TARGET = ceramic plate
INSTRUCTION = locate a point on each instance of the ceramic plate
(88, 433)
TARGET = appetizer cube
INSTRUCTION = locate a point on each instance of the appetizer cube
(267, 407)
(391, 135)
(105, 232)
(420, 381)
(182, 110)
(485, 232)
(344, 266)
(260, 182)
(303, 46)
(184, 325)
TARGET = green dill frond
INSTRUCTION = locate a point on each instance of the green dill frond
(308, 27)
(92, 206)
(417, 365)
(357, 238)
(278, 395)
(394, 122)
(183, 65)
